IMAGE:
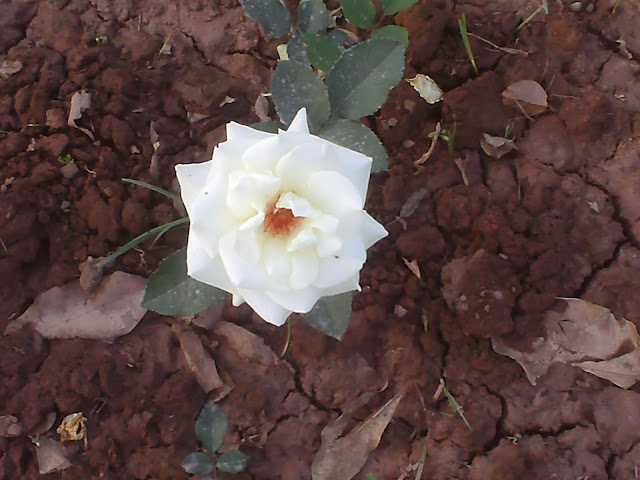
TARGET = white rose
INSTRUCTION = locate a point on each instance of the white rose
(277, 219)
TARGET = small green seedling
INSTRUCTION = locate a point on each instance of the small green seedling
(457, 408)
(462, 24)
(449, 138)
(370, 476)
(66, 159)
(101, 40)
(211, 428)
(544, 7)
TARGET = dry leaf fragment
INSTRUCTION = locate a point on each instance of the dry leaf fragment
(413, 266)
(155, 142)
(496, 147)
(198, 360)
(413, 202)
(9, 67)
(586, 335)
(247, 345)
(80, 101)
(427, 88)
(342, 457)
(51, 455)
(65, 312)
(72, 427)
(526, 95)
(262, 108)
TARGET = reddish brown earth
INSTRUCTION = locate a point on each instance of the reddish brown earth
(558, 217)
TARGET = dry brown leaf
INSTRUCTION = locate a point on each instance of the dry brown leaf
(526, 95)
(65, 312)
(247, 345)
(413, 266)
(427, 88)
(587, 336)
(496, 147)
(51, 455)
(72, 427)
(80, 101)
(198, 359)
(342, 457)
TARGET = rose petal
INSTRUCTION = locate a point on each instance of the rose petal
(263, 156)
(303, 241)
(348, 285)
(299, 123)
(304, 270)
(242, 133)
(336, 271)
(298, 205)
(206, 269)
(192, 179)
(264, 306)
(300, 301)
(237, 251)
(249, 190)
(312, 154)
(277, 260)
(318, 190)
(371, 230)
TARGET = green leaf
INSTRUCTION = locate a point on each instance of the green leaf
(391, 7)
(340, 38)
(361, 79)
(197, 463)
(322, 52)
(170, 291)
(272, 15)
(331, 315)
(211, 426)
(313, 16)
(361, 13)
(392, 32)
(297, 51)
(355, 136)
(269, 126)
(295, 86)
(233, 462)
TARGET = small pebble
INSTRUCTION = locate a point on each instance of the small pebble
(576, 6)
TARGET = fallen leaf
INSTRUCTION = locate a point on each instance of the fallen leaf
(155, 142)
(72, 427)
(51, 455)
(262, 108)
(248, 346)
(413, 202)
(65, 312)
(526, 95)
(90, 274)
(413, 266)
(585, 335)
(427, 88)
(80, 101)
(496, 147)
(198, 360)
(342, 457)
(9, 67)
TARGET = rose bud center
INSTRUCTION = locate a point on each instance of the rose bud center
(280, 222)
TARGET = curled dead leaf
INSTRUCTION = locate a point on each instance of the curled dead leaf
(496, 147)
(72, 427)
(342, 457)
(80, 101)
(198, 359)
(527, 95)
(427, 88)
(585, 335)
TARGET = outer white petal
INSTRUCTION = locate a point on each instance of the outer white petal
(206, 269)
(299, 123)
(192, 178)
(347, 286)
(263, 156)
(304, 270)
(336, 271)
(371, 230)
(332, 193)
(300, 301)
(264, 306)
(242, 273)
(236, 132)
(328, 156)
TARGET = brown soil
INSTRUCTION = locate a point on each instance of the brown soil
(558, 217)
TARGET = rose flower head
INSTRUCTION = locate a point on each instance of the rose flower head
(277, 220)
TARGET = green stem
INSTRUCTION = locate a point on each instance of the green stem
(141, 238)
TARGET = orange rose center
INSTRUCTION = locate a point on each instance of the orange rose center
(280, 222)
